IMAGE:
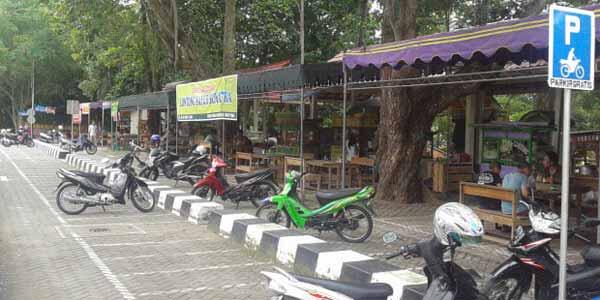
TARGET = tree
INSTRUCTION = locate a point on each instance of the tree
(406, 114)
(229, 38)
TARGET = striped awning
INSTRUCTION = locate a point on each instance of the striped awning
(515, 40)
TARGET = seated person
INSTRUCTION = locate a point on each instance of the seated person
(517, 181)
(494, 174)
(552, 169)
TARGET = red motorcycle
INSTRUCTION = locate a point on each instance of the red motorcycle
(251, 187)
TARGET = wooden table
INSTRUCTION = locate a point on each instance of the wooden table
(256, 160)
(553, 195)
(331, 167)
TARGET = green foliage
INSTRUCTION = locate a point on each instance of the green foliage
(515, 106)
(586, 110)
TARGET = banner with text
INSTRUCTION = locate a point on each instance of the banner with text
(213, 99)
(114, 110)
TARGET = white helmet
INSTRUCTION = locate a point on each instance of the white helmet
(200, 150)
(457, 221)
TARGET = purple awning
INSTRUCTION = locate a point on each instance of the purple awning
(516, 36)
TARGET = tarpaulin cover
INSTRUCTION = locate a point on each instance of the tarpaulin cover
(509, 40)
(297, 76)
(157, 100)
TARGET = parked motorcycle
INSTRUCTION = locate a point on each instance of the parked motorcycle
(454, 225)
(292, 286)
(534, 258)
(340, 210)
(190, 169)
(21, 138)
(80, 190)
(51, 137)
(251, 187)
(83, 144)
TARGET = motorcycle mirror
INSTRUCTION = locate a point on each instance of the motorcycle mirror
(390, 237)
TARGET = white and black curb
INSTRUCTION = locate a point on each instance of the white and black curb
(52, 150)
(310, 255)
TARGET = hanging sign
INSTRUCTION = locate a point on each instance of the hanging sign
(571, 48)
(76, 119)
(106, 104)
(213, 99)
(72, 107)
(84, 108)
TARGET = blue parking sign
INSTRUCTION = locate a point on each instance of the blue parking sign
(571, 48)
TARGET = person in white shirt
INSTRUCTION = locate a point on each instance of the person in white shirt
(92, 132)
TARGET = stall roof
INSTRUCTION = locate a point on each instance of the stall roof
(157, 100)
(294, 77)
(513, 40)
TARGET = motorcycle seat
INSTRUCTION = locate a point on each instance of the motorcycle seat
(356, 291)
(96, 177)
(327, 196)
(246, 176)
(591, 255)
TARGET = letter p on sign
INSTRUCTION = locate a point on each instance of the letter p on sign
(572, 25)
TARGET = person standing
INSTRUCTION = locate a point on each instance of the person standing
(92, 132)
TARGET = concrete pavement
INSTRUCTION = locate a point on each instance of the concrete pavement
(118, 254)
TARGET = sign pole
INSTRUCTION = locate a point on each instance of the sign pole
(564, 206)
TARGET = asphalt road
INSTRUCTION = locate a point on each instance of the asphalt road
(118, 254)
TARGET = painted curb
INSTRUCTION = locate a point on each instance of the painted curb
(52, 150)
(310, 255)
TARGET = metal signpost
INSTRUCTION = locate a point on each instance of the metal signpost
(570, 66)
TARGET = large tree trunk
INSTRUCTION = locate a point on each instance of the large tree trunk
(229, 38)
(406, 114)
(406, 117)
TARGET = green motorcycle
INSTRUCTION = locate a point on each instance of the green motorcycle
(340, 210)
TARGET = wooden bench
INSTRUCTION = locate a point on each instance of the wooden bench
(244, 162)
(497, 193)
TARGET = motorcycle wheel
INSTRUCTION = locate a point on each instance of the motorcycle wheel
(579, 72)
(91, 149)
(5, 143)
(142, 198)
(511, 284)
(153, 174)
(30, 143)
(352, 218)
(564, 71)
(204, 192)
(263, 190)
(65, 205)
(269, 212)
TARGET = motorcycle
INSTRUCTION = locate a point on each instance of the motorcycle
(446, 280)
(571, 65)
(83, 144)
(250, 187)
(288, 286)
(532, 257)
(79, 190)
(190, 169)
(339, 210)
(51, 137)
(21, 138)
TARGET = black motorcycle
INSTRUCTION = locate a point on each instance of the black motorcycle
(51, 137)
(21, 138)
(80, 190)
(445, 279)
(171, 166)
(534, 258)
(83, 144)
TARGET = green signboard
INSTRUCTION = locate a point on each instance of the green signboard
(213, 99)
